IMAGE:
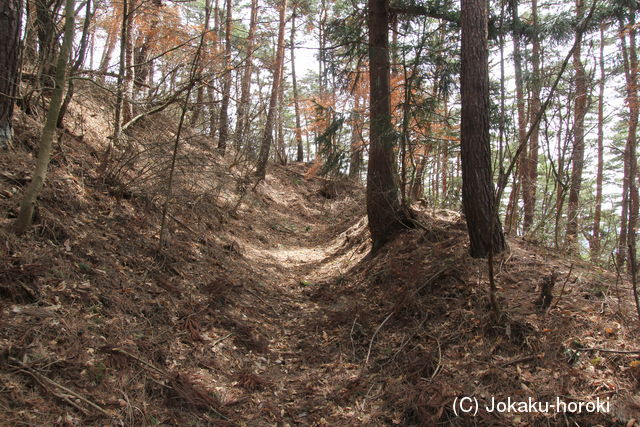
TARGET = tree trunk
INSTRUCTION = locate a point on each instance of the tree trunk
(511, 219)
(213, 111)
(193, 72)
(47, 46)
(577, 159)
(560, 185)
(417, 186)
(30, 39)
(531, 160)
(243, 105)
(10, 17)
(383, 205)
(226, 85)
(82, 53)
(631, 74)
(142, 64)
(110, 43)
(121, 72)
(630, 196)
(485, 231)
(25, 216)
(127, 106)
(296, 106)
(595, 238)
(267, 136)
(632, 89)
(281, 153)
(355, 158)
(321, 47)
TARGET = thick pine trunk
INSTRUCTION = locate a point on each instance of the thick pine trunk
(631, 64)
(267, 136)
(10, 14)
(478, 197)
(577, 159)
(630, 191)
(383, 205)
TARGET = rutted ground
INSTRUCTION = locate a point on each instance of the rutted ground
(305, 369)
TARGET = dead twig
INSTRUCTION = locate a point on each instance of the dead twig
(43, 379)
(562, 289)
(58, 395)
(140, 360)
(353, 345)
(432, 279)
(373, 337)
(219, 340)
(518, 360)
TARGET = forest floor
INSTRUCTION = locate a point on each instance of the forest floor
(266, 308)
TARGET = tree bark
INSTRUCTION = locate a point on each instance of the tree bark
(243, 105)
(110, 43)
(30, 39)
(226, 85)
(82, 53)
(47, 46)
(296, 106)
(531, 160)
(630, 57)
(10, 17)
(577, 159)
(478, 197)
(267, 136)
(630, 189)
(511, 219)
(383, 205)
(127, 106)
(142, 65)
(25, 216)
(121, 73)
(595, 238)
(355, 158)
(281, 153)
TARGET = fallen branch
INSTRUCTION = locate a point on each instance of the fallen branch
(606, 350)
(176, 382)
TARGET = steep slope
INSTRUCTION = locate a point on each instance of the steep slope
(97, 321)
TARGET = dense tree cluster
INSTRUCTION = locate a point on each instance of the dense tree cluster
(499, 107)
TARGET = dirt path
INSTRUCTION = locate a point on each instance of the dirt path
(305, 366)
